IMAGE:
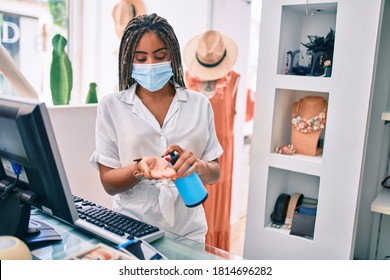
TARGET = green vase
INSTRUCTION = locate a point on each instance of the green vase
(92, 96)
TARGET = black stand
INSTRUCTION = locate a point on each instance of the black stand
(15, 215)
(15, 212)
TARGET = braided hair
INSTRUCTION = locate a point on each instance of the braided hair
(132, 34)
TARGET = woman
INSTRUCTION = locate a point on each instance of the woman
(152, 115)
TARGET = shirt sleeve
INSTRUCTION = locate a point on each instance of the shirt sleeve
(106, 152)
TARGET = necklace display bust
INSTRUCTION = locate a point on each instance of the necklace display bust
(208, 88)
(308, 121)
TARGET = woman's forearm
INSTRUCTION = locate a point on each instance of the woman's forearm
(118, 180)
(211, 172)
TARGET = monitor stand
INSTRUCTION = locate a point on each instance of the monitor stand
(15, 215)
(15, 210)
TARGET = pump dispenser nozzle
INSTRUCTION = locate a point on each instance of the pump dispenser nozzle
(172, 157)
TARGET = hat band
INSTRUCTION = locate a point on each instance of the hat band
(210, 65)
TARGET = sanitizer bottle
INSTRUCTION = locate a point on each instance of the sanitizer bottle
(191, 188)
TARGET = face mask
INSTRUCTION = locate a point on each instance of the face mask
(152, 76)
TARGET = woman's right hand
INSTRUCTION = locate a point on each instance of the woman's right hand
(187, 163)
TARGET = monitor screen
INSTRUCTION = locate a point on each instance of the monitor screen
(31, 170)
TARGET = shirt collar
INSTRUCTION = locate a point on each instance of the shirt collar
(128, 95)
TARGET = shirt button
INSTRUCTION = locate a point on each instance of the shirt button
(162, 138)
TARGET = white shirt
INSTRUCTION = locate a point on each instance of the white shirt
(127, 130)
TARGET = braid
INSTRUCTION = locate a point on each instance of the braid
(132, 34)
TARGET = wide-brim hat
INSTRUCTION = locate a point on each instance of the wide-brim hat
(210, 55)
(124, 11)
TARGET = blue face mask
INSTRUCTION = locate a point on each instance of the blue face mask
(152, 76)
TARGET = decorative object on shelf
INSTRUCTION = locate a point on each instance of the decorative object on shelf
(279, 214)
(312, 67)
(327, 68)
(296, 213)
(317, 43)
(294, 203)
(292, 61)
(285, 150)
(301, 215)
(61, 74)
(303, 224)
(322, 47)
(316, 67)
(319, 51)
(307, 123)
(313, 124)
(92, 96)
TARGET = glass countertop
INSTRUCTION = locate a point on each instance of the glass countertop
(75, 241)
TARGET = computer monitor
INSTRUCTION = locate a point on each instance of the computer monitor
(27, 142)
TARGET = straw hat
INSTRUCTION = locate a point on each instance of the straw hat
(210, 56)
(124, 11)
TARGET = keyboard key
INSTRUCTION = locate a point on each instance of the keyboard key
(112, 221)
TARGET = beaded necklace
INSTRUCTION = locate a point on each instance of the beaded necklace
(311, 125)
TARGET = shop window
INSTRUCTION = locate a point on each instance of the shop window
(26, 29)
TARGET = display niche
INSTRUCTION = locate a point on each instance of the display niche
(307, 39)
(293, 184)
(299, 122)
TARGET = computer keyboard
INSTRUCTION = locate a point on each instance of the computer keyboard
(112, 225)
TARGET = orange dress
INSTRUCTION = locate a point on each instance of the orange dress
(250, 105)
(218, 204)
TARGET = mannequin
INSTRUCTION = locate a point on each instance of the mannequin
(308, 121)
(210, 57)
(9, 69)
(222, 94)
(208, 88)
